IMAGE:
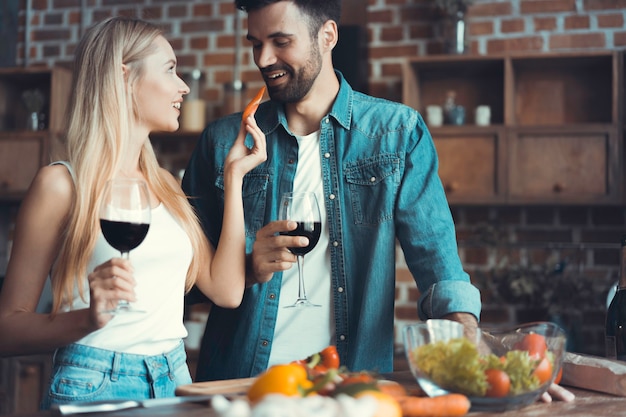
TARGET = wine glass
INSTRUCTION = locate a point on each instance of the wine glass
(304, 210)
(125, 219)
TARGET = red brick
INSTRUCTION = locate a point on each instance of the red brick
(480, 28)
(219, 59)
(177, 11)
(619, 39)
(406, 312)
(207, 25)
(475, 255)
(152, 13)
(495, 315)
(392, 51)
(39, 5)
(606, 257)
(403, 275)
(547, 6)
(421, 31)
(53, 19)
(604, 4)
(65, 4)
(576, 22)
(391, 34)
(574, 41)
(187, 60)
(545, 23)
(391, 70)
(202, 10)
(544, 235)
(201, 42)
(529, 44)
(510, 26)
(610, 20)
(491, 9)
(51, 35)
(380, 16)
(610, 236)
(414, 294)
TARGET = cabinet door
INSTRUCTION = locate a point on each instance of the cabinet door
(24, 380)
(469, 164)
(20, 158)
(575, 166)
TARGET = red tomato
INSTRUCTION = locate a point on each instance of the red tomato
(534, 344)
(499, 383)
(559, 375)
(543, 371)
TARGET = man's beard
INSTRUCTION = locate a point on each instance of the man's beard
(301, 81)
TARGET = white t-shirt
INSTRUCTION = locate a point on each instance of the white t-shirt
(300, 332)
(160, 265)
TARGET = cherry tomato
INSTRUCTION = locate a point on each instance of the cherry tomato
(543, 371)
(330, 357)
(499, 383)
(534, 344)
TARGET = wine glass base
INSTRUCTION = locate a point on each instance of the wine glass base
(301, 303)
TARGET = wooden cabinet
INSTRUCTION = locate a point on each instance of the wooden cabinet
(557, 125)
(23, 380)
(23, 146)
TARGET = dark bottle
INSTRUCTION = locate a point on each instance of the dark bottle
(615, 330)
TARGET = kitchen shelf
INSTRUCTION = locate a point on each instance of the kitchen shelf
(556, 133)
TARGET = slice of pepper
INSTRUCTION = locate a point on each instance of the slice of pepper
(253, 104)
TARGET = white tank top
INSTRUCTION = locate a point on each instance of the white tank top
(161, 263)
(300, 332)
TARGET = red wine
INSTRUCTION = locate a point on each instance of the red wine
(615, 330)
(124, 236)
(304, 229)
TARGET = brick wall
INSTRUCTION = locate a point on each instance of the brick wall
(520, 257)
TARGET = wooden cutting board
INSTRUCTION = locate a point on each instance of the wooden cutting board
(227, 387)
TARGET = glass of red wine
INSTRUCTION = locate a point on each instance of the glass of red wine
(304, 210)
(125, 220)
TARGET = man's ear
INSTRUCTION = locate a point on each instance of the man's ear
(330, 35)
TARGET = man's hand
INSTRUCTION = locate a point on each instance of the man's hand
(270, 252)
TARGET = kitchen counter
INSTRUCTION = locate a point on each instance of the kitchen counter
(586, 404)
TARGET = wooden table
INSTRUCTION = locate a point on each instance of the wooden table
(586, 404)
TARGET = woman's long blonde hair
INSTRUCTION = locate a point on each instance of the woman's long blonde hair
(100, 114)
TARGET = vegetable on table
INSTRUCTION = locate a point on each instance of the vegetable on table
(253, 104)
(451, 405)
(288, 379)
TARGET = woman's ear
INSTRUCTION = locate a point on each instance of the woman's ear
(125, 71)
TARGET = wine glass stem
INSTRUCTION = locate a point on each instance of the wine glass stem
(301, 290)
(125, 255)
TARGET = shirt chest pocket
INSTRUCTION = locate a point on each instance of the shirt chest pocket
(373, 184)
(254, 193)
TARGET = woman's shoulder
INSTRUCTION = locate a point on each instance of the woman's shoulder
(54, 181)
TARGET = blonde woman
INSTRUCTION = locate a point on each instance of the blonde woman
(125, 86)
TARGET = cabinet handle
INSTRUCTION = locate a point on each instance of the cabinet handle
(451, 187)
(558, 188)
(28, 371)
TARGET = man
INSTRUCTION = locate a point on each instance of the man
(373, 166)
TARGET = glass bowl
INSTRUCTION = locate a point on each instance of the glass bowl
(496, 341)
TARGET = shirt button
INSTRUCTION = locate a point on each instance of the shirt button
(340, 289)
(373, 179)
(290, 161)
(264, 343)
(342, 337)
(332, 196)
(335, 243)
(272, 296)
(327, 155)
(326, 120)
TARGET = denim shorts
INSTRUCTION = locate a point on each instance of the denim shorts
(84, 373)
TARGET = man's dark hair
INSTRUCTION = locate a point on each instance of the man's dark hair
(318, 11)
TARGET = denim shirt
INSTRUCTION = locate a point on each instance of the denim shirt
(381, 186)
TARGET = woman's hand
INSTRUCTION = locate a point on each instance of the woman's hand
(241, 159)
(108, 283)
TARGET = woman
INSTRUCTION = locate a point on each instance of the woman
(125, 86)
